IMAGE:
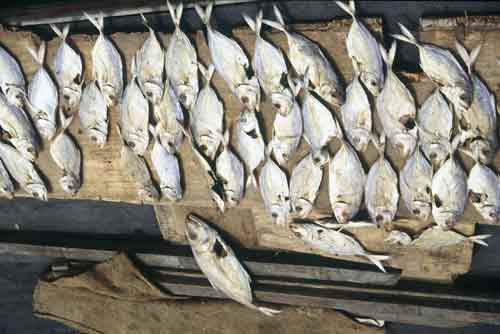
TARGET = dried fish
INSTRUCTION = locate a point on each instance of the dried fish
(333, 242)
(304, 186)
(231, 173)
(484, 191)
(181, 64)
(443, 69)
(12, 81)
(67, 157)
(434, 238)
(398, 238)
(364, 51)
(23, 171)
(16, 125)
(307, 56)
(415, 180)
(166, 166)
(68, 70)
(220, 265)
(396, 109)
(231, 63)
(207, 117)
(93, 114)
(107, 68)
(6, 186)
(42, 97)
(347, 180)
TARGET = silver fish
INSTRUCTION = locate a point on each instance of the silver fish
(107, 68)
(443, 69)
(364, 51)
(396, 109)
(334, 242)
(415, 180)
(381, 191)
(307, 56)
(134, 118)
(482, 115)
(220, 265)
(18, 128)
(398, 238)
(435, 122)
(231, 63)
(357, 115)
(43, 97)
(68, 70)
(449, 191)
(12, 81)
(207, 117)
(93, 114)
(304, 186)
(274, 191)
(23, 171)
(169, 118)
(231, 173)
(6, 185)
(149, 65)
(166, 166)
(484, 191)
(271, 70)
(434, 238)
(67, 157)
(181, 64)
(249, 144)
(135, 168)
(347, 180)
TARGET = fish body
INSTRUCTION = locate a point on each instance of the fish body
(231, 63)
(219, 263)
(347, 180)
(93, 114)
(169, 119)
(304, 186)
(6, 185)
(434, 238)
(68, 70)
(107, 67)
(23, 171)
(364, 51)
(435, 120)
(231, 173)
(43, 97)
(357, 115)
(12, 81)
(484, 192)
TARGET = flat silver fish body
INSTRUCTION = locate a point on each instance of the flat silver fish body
(357, 115)
(287, 131)
(134, 118)
(107, 67)
(333, 242)
(219, 263)
(6, 186)
(68, 70)
(43, 97)
(304, 186)
(12, 81)
(435, 120)
(364, 51)
(249, 143)
(434, 238)
(231, 174)
(415, 181)
(347, 180)
(396, 109)
(307, 56)
(181, 62)
(18, 128)
(67, 157)
(274, 191)
(449, 193)
(444, 70)
(169, 118)
(484, 192)
(231, 63)
(207, 117)
(23, 171)
(166, 166)
(93, 114)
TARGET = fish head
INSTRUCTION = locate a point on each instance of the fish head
(304, 231)
(405, 144)
(37, 190)
(279, 214)
(168, 142)
(109, 95)
(372, 83)
(231, 197)
(360, 139)
(331, 92)
(97, 137)
(283, 102)
(444, 218)
(187, 96)
(248, 95)
(7, 191)
(321, 157)
(148, 193)
(153, 92)
(482, 150)
(171, 193)
(343, 212)
(383, 218)
(46, 128)
(438, 154)
(15, 96)
(422, 210)
(480, 201)
(302, 207)
(459, 96)
(138, 143)
(69, 183)
(26, 148)
(71, 99)
(208, 146)
(282, 152)
(199, 234)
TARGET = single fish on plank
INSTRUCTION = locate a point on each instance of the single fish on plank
(484, 191)
(435, 238)
(12, 81)
(304, 186)
(231, 173)
(93, 114)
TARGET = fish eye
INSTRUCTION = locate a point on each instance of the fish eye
(486, 151)
(182, 97)
(192, 234)
(170, 144)
(433, 155)
(355, 140)
(416, 211)
(35, 194)
(77, 79)
(410, 124)
(204, 148)
(373, 83)
(131, 144)
(475, 197)
(93, 138)
(463, 97)
(379, 219)
(244, 99)
(70, 187)
(66, 97)
(149, 94)
(428, 190)
(274, 215)
(297, 234)
(299, 208)
(287, 198)
(30, 149)
(277, 105)
(437, 201)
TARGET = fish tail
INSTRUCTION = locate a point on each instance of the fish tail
(207, 72)
(478, 239)
(265, 310)
(407, 36)
(389, 56)
(65, 121)
(252, 180)
(153, 131)
(205, 14)
(279, 16)
(65, 31)
(99, 23)
(250, 22)
(145, 21)
(379, 142)
(349, 9)
(175, 12)
(377, 260)
(225, 138)
(38, 56)
(61, 34)
(468, 58)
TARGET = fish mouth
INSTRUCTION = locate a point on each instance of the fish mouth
(171, 193)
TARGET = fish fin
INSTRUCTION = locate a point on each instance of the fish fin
(65, 121)
(305, 80)
(478, 239)
(348, 8)
(97, 23)
(279, 16)
(493, 102)
(249, 21)
(475, 53)
(407, 36)
(376, 260)
(205, 14)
